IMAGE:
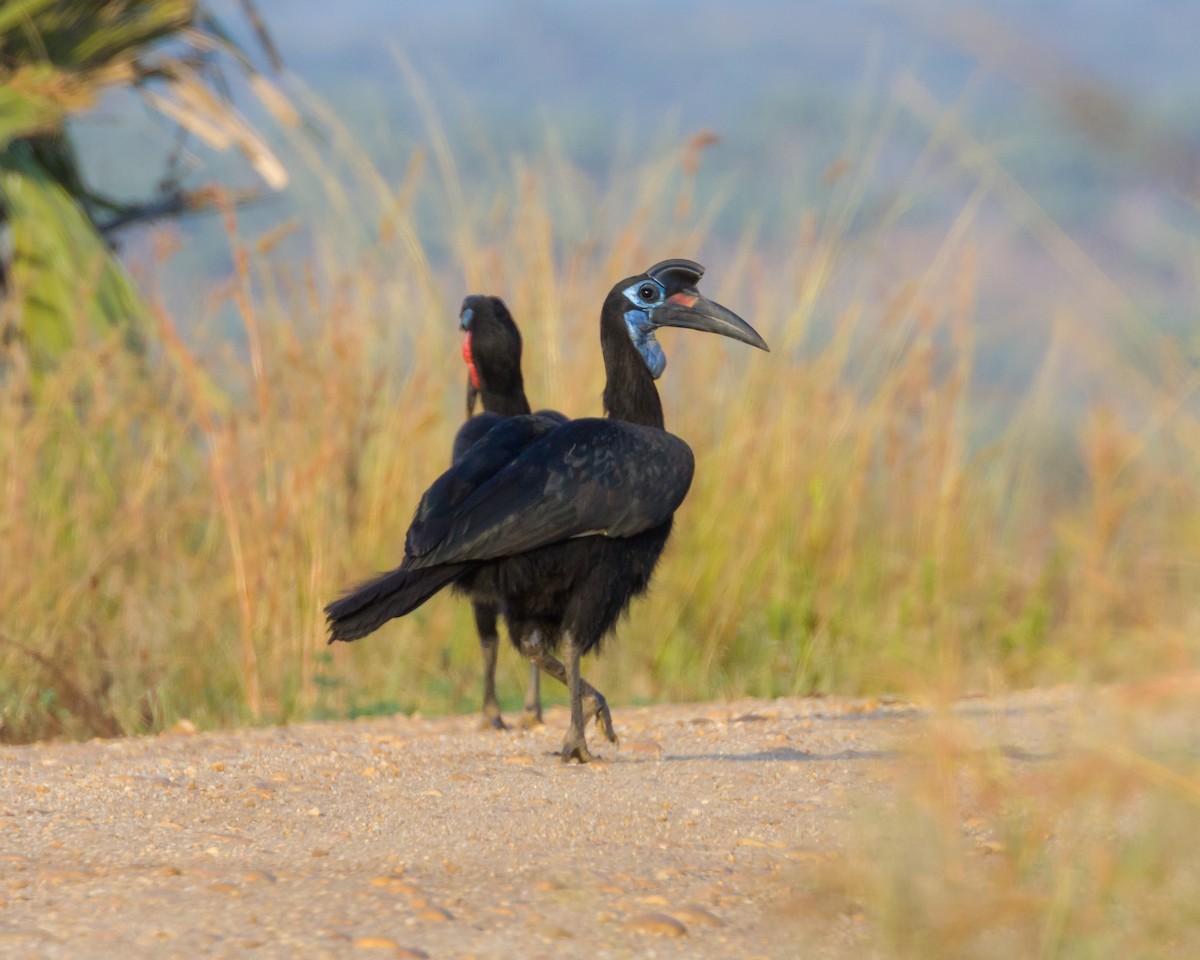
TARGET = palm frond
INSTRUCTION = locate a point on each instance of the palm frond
(56, 58)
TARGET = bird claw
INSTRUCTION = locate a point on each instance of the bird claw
(530, 720)
(492, 721)
(576, 749)
(598, 707)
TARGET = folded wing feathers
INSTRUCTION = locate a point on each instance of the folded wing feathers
(534, 485)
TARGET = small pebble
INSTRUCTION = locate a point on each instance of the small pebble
(656, 924)
(376, 943)
(697, 917)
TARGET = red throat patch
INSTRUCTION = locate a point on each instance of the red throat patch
(470, 362)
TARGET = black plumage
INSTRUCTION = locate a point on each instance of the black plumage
(560, 525)
(492, 351)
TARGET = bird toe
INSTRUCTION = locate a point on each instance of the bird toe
(492, 721)
(604, 722)
(576, 750)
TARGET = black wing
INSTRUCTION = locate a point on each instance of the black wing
(471, 432)
(532, 482)
(552, 414)
(478, 426)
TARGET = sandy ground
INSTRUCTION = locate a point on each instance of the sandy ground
(411, 837)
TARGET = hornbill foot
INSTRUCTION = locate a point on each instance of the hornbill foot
(595, 704)
(492, 721)
(575, 748)
(530, 719)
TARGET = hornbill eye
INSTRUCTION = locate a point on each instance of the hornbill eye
(649, 293)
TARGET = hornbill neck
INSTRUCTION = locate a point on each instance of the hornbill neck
(629, 391)
(507, 402)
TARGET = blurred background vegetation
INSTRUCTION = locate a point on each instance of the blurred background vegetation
(57, 61)
(969, 463)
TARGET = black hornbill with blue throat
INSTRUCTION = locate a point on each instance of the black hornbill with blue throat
(561, 524)
(492, 351)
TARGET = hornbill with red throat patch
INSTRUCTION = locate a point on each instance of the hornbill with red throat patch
(492, 351)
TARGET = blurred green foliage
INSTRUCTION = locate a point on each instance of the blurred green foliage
(57, 58)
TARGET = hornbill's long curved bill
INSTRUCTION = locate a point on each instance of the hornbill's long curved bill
(667, 297)
(691, 311)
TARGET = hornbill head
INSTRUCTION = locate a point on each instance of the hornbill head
(666, 296)
(491, 348)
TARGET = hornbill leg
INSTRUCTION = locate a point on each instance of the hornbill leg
(533, 699)
(594, 703)
(489, 642)
(575, 743)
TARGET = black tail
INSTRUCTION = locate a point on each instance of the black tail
(372, 604)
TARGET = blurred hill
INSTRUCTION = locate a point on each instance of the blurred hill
(795, 91)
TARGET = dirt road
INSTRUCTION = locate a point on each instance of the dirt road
(409, 837)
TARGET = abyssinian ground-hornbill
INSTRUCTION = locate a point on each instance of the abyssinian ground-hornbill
(561, 524)
(492, 351)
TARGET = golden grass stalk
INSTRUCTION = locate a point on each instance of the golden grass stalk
(1080, 850)
(862, 518)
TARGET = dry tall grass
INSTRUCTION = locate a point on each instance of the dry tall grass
(1084, 850)
(861, 519)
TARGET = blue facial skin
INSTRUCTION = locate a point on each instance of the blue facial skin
(640, 325)
(641, 332)
(465, 320)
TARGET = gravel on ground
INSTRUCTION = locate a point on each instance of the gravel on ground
(411, 837)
